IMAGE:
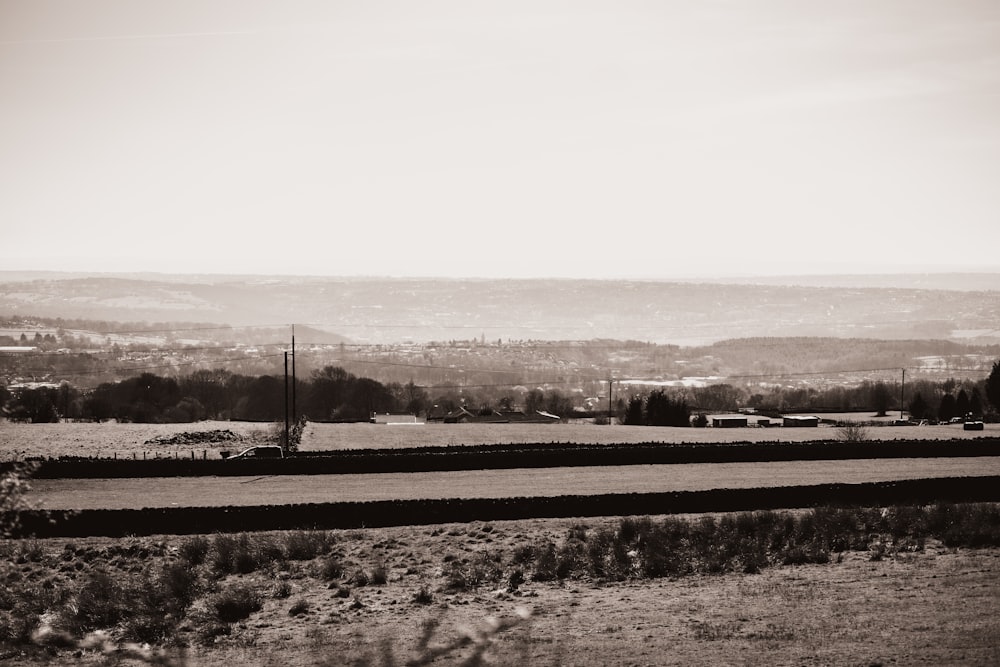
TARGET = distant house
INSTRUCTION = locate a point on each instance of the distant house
(389, 418)
(537, 417)
(800, 420)
(465, 416)
(18, 349)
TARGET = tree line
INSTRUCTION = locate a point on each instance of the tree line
(328, 394)
(333, 394)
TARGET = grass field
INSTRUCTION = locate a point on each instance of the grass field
(353, 436)
(287, 489)
(107, 439)
(110, 439)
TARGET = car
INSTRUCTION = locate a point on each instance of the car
(973, 425)
(260, 452)
(956, 420)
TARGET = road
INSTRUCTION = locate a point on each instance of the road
(285, 489)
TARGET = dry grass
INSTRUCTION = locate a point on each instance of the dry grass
(917, 604)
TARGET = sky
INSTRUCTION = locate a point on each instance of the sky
(618, 139)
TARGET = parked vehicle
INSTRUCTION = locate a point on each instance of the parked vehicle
(260, 452)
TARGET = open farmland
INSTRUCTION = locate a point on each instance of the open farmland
(111, 439)
(319, 436)
(132, 493)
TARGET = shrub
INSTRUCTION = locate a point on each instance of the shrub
(571, 558)
(423, 596)
(306, 544)
(282, 590)
(101, 602)
(523, 554)
(268, 550)
(245, 556)
(224, 548)
(299, 608)
(235, 603)
(853, 432)
(194, 549)
(456, 578)
(379, 575)
(546, 564)
(178, 586)
(14, 486)
(359, 578)
(515, 579)
(331, 568)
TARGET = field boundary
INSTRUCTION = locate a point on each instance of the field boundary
(343, 515)
(496, 457)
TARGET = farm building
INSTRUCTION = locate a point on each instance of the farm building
(389, 418)
(12, 350)
(464, 416)
(800, 420)
(729, 421)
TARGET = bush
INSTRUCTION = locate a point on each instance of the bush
(853, 432)
(331, 568)
(379, 574)
(299, 608)
(224, 549)
(306, 544)
(282, 590)
(101, 602)
(423, 596)
(194, 549)
(546, 563)
(177, 587)
(235, 603)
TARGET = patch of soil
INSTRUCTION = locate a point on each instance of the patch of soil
(198, 438)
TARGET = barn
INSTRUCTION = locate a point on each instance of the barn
(800, 420)
(729, 421)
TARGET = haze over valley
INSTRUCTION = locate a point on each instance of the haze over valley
(955, 307)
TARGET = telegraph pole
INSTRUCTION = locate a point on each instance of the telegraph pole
(294, 415)
(610, 382)
(286, 399)
(902, 385)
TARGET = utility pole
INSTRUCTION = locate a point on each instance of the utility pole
(286, 399)
(610, 383)
(294, 414)
(902, 386)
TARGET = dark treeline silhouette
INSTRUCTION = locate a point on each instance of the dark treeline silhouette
(329, 394)
(921, 399)
(658, 408)
(333, 394)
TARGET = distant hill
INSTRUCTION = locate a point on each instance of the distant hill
(962, 307)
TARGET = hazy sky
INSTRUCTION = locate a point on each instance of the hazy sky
(593, 139)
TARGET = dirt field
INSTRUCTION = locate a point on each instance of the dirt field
(111, 439)
(935, 607)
